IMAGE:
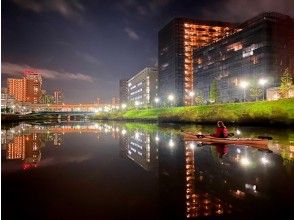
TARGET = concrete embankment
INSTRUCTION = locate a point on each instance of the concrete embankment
(7, 118)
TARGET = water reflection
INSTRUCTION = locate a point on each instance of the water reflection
(193, 179)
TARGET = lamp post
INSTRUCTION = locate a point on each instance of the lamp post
(244, 85)
(156, 100)
(192, 94)
(137, 103)
(171, 98)
(262, 82)
(123, 106)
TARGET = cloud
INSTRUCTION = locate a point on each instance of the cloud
(156, 5)
(240, 10)
(16, 69)
(131, 33)
(142, 8)
(87, 57)
(69, 9)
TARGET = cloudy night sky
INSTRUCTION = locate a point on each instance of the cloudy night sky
(85, 47)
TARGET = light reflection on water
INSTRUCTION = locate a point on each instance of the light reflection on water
(193, 179)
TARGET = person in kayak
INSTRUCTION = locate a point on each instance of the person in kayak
(221, 131)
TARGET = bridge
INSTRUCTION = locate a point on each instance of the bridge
(72, 108)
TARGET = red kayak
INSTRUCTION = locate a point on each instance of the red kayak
(239, 141)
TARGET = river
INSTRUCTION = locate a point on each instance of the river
(99, 170)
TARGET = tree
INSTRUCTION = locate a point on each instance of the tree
(286, 83)
(199, 100)
(255, 92)
(213, 92)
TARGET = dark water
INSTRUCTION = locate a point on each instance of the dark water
(142, 171)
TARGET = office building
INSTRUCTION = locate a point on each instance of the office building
(27, 89)
(123, 91)
(142, 88)
(261, 50)
(176, 42)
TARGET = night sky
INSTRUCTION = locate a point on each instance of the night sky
(85, 47)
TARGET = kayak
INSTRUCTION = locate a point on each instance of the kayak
(230, 140)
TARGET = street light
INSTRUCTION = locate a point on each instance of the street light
(137, 103)
(262, 82)
(244, 85)
(123, 106)
(191, 94)
(156, 100)
(171, 98)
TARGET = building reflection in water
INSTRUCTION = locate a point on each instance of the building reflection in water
(139, 147)
(193, 181)
(26, 148)
(201, 203)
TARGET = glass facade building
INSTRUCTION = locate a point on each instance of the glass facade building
(142, 87)
(261, 49)
(176, 42)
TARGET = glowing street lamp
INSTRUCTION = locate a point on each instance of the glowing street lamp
(123, 106)
(156, 100)
(262, 82)
(192, 94)
(171, 98)
(244, 85)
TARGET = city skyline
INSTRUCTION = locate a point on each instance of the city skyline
(88, 46)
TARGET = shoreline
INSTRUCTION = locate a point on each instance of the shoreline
(278, 113)
(263, 113)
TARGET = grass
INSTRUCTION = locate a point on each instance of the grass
(263, 112)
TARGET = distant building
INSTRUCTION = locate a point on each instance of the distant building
(27, 89)
(123, 91)
(273, 93)
(7, 101)
(58, 96)
(34, 86)
(177, 40)
(262, 48)
(17, 88)
(143, 87)
(114, 101)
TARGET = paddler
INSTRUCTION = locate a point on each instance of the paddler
(221, 130)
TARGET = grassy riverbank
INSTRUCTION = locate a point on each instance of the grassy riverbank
(257, 113)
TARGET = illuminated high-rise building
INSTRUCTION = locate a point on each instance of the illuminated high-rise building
(17, 88)
(261, 50)
(176, 42)
(27, 89)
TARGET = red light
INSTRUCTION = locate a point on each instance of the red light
(27, 166)
(29, 71)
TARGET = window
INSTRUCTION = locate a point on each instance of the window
(235, 47)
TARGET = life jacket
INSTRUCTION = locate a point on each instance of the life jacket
(221, 132)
